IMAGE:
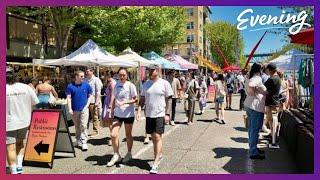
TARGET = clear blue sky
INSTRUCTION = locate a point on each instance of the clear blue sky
(271, 42)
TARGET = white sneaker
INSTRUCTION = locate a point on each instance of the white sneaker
(172, 123)
(146, 140)
(115, 159)
(78, 144)
(154, 170)
(127, 158)
(84, 147)
(19, 170)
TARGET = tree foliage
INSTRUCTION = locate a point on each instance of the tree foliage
(225, 35)
(142, 28)
(114, 28)
(294, 10)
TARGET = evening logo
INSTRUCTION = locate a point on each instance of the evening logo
(298, 21)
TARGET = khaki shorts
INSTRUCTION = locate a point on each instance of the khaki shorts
(12, 136)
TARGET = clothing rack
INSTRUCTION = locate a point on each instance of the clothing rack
(307, 96)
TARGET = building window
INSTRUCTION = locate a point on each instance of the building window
(190, 25)
(200, 14)
(190, 38)
(200, 39)
(200, 27)
(190, 11)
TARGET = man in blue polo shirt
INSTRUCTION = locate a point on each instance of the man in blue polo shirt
(79, 95)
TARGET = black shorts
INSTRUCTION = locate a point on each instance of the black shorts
(155, 125)
(125, 120)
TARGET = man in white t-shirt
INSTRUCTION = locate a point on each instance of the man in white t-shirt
(191, 91)
(176, 87)
(241, 80)
(19, 101)
(95, 103)
(156, 94)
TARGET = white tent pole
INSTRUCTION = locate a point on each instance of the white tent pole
(98, 71)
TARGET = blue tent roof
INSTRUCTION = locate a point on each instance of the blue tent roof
(165, 64)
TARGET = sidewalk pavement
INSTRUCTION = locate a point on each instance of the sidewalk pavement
(204, 147)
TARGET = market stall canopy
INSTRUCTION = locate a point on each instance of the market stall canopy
(290, 60)
(303, 37)
(184, 64)
(232, 68)
(89, 54)
(208, 63)
(165, 64)
(130, 55)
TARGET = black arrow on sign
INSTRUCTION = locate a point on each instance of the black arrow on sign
(41, 148)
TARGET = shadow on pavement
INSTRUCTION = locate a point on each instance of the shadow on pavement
(180, 122)
(97, 142)
(240, 139)
(238, 163)
(138, 138)
(231, 109)
(205, 120)
(135, 138)
(216, 121)
(101, 160)
(139, 163)
(242, 129)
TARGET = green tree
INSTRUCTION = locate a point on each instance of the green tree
(294, 10)
(114, 28)
(227, 37)
(141, 28)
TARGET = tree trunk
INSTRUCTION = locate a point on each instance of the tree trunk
(66, 40)
(62, 31)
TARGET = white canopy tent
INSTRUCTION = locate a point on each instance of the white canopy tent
(130, 55)
(89, 54)
(291, 60)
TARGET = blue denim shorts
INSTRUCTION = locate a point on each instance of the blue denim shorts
(220, 100)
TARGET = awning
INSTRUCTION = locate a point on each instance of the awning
(303, 37)
(208, 64)
(165, 64)
(184, 64)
